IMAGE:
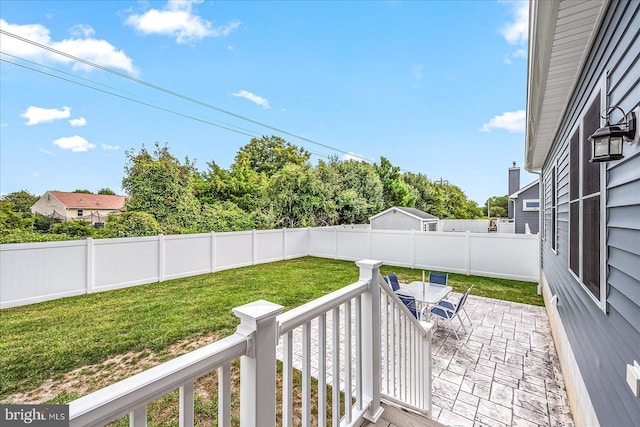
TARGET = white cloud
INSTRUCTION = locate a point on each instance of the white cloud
(178, 20)
(81, 121)
(47, 152)
(36, 115)
(81, 45)
(36, 174)
(264, 103)
(76, 143)
(517, 32)
(513, 121)
(80, 30)
(110, 147)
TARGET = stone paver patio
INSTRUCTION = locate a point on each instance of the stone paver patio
(504, 370)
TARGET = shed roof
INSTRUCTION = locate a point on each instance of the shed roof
(416, 213)
(89, 201)
(523, 189)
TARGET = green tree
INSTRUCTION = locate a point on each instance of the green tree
(129, 224)
(499, 206)
(84, 191)
(159, 184)
(21, 201)
(270, 154)
(106, 191)
(298, 198)
(73, 229)
(224, 216)
(241, 185)
(428, 196)
(395, 191)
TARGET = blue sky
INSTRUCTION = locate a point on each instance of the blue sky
(437, 87)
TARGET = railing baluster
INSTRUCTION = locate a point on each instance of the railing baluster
(186, 404)
(359, 353)
(306, 374)
(224, 395)
(384, 304)
(138, 417)
(322, 370)
(348, 393)
(335, 400)
(287, 379)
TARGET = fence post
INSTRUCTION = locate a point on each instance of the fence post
(89, 265)
(413, 248)
(258, 368)
(370, 271)
(335, 235)
(253, 247)
(213, 251)
(467, 252)
(160, 257)
(284, 243)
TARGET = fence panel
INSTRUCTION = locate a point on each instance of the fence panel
(35, 272)
(322, 242)
(441, 251)
(269, 246)
(233, 250)
(353, 244)
(187, 255)
(510, 256)
(392, 247)
(119, 263)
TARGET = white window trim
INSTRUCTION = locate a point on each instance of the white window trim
(527, 209)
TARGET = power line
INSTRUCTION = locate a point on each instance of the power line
(176, 94)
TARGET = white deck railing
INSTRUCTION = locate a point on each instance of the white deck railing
(369, 348)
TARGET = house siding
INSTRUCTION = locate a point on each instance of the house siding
(47, 204)
(523, 217)
(603, 342)
(395, 221)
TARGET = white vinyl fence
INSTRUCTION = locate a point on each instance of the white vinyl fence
(35, 272)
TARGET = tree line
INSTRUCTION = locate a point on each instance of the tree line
(271, 184)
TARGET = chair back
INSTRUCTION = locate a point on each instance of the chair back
(410, 302)
(393, 281)
(438, 278)
(463, 299)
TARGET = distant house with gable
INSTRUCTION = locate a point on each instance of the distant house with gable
(402, 218)
(524, 203)
(78, 206)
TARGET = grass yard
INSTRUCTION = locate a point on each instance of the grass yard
(46, 341)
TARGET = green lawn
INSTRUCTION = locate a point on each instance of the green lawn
(47, 340)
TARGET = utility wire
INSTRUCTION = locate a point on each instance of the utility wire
(127, 98)
(176, 94)
(256, 134)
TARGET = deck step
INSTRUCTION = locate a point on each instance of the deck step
(394, 416)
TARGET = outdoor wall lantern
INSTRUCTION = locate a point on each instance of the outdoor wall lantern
(607, 141)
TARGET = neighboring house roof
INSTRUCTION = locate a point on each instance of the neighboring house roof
(416, 213)
(556, 58)
(525, 188)
(89, 201)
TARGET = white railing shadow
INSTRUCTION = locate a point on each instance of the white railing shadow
(363, 340)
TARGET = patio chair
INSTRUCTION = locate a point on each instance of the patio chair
(438, 278)
(392, 280)
(410, 302)
(447, 310)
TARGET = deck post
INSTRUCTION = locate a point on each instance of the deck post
(370, 271)
(258, 367)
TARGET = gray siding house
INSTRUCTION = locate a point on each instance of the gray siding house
(584, 57)
(524, 203)
(401, 218)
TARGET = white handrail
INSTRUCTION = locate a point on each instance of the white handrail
(116, 400)
(402, 307)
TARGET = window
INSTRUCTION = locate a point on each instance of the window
(531, 205)
(80, 212)
(585, 218)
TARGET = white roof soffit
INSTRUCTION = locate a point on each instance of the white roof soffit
(560, 36)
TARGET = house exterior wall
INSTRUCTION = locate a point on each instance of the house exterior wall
(604, 333)
(522, 216)
(48, 203)
(396, 220)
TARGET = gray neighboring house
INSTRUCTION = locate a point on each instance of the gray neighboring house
(401, 218)
(524, 203)
(584, 58)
